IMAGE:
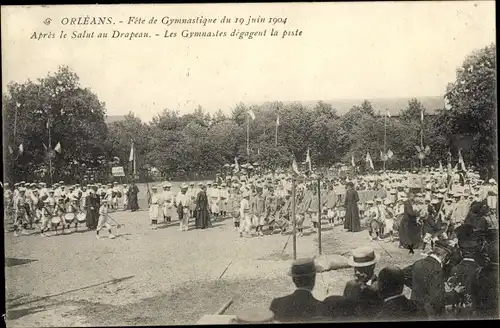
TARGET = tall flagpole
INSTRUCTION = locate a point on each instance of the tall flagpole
(50, 151)
(422, 140)
(276, 136)
(248, 137)
(385, 139)
(134, 162)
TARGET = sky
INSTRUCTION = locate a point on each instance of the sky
(346, 51)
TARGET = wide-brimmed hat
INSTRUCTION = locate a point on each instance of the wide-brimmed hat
(303, 267)
(447, 245)
(362, 257)
(256, 315)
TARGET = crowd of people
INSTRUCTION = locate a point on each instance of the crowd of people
(454, 281)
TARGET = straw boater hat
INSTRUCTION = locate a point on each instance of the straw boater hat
(200, 184)
(362, 257)
(254, 315)
(388, 201)
(154, 188)
(167, 185)
(434, 201)
(184, 186)
(369, 201)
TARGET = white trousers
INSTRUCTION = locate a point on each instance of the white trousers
(184, 222)
(245, 223)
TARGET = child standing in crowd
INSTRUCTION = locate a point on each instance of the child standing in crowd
(154, 207)
(103, 219)
(245, 215)
(389, 219)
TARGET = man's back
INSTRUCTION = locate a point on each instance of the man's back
(301, 305)
(400, 308)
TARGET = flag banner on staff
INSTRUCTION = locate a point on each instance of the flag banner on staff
(295, 167)
(308, 160)
(353, 163)
(440, 167)
(383, 156)
(369, 160)
(11, 151)
(117, 171)
(390, 154)
(422, 115)
(387, 113)
(21, 148)
(236, 166)
(277, 120)
(251, 113)
(461, 161)
(58, 147)
(131, 156)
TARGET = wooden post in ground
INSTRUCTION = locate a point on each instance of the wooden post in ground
(319, 216)
(294, 220)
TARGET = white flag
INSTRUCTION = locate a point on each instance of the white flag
(58, 147)
(352, 161)
(251, 113)
(131, 156)
(277, 120)
(369, 160)
(461, 161)
(422, 115)
(11, 151)
(387, 113)
(390, 153)
(308, 160)
(21, 148)
(295, 167)
(236, 166)
(440, 167)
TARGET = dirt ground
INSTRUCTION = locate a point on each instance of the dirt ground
(162, 277)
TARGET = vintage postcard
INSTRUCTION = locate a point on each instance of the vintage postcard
(249, 163)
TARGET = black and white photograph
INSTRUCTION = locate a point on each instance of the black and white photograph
(249, 163)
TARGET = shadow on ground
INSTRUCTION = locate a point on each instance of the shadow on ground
(11, 262)
(171, 308)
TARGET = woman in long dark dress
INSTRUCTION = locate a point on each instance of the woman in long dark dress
(410, 230)
(202, 214)
(351, 222)
(92, 202)
(132, 197)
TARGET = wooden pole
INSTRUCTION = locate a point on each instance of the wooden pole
(319, 216)
(294, 220)
(50, 152)
(385, 140)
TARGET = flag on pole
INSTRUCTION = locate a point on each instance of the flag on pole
(236, 166)
(11, 151)
(461, 161)
(352, 161)
(387, 113)
(422, 115)
(382, 156)
(131, 156)
(295, 167)
(21, 148)
(277, 120)
(48, 124)
(369, 160)
(251, 113)
(58, 147)
(390, 154)
(440, 167)
(308, 160)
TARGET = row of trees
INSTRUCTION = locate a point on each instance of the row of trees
(200, 142)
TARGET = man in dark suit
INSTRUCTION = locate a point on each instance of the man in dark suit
(301, 305)
(427, 280)
(485, 285)
(396, 306)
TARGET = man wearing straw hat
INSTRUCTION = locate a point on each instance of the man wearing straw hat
(301, 304)
(363, 290)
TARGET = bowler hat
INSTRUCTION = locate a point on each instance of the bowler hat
(362, 257)
(303, 267)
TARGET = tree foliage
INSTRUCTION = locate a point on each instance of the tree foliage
(199, 142)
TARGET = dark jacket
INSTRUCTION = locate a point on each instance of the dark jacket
(339, 307)
(410, 231)
(427, 286)
(401, 308)
(366, 298)
(299, 306)
(485, 292)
